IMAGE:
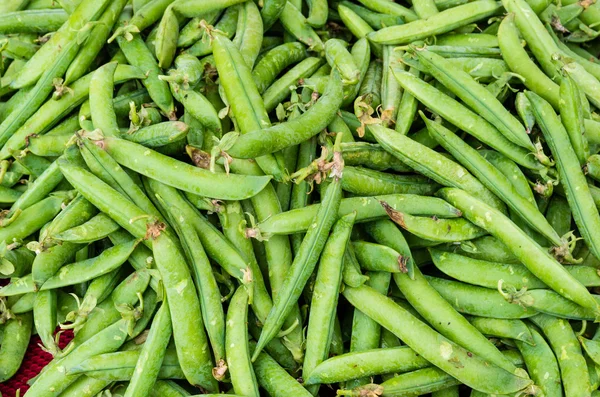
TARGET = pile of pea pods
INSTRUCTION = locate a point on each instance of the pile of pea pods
(301, 197)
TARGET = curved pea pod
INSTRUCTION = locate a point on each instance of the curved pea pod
(476, 97)
(8, 195)
(280, 89)
(97, 40)
(270, 12)
(54, 378)
(573, 179)
(166, 38)
(144, 17)
(32, 21)
(275, 61)
(503, 328)
(367, 209)
(120, 366)
(519, 62)
(296, 24)
(183, 176)
(541, 364)
(534, 257)
(432, 346)
(523, 108)
(432, 164)
(101, 100)
(488, 248)
(390, 8)
(366, 363)
(157, 135)
(550, 302)
(357, 25)
(375, 19)
(478, 301)
(199, 107)
(195, 31)
(49, 145)
(465, 119)
(15, 260)
(88, 269)
(24, 304)
(442, 22)
(564, 343)
(139, 55)
(325, 295)
(268, 140)
(494, 180)
(571, 116)
(45, 320)
(340, 58)
(16, 334)
(85, 387)
(363, 182)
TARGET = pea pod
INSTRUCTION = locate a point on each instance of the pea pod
(441, 22)
(296, 24)
(32, 21)
(386, 7)
(535, 258)
(306, 258)
(476, 97)
(571, 115)
(227, 24)
(275, 61)
(439, 350)
(16, 334)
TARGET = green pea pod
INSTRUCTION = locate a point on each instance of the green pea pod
(274, 379)
(88, 269)
(146, 370)
(188, 334)
(541, 364)
(65, 37)
(139, 55)
(32, 21)
(325, 296)
(422, 381)
(573, 179)
(476, 97)
(371, 156)
(407, 108)
(562, 339)
(534, 257)
(166, 38)
(340, 58)
(144, 17)
(365, 182)
(193, 8)
(44, 316)
(519, 62)
(370, 87)
(296, 25)
(98, 36)
(101, 100)
(182, 220)
(238, 352)
(305, 261)
(160, 134)
(280, 89)
(121, 365)
(188, 178)
(32, 219)
(108, 170)
(249, 32)
(194, 30)
(465, 119)
(248, 109)
(268, 140)
(390, 88)
(432, 164)
(367, 208)
(85, 387)
(227, 25)
(37, 96)
(549, 302)
(53, 380)
(366, 363)
(51, 112)
(571, 115)
(199, 107)
(386, 7)
(375, 19)
(357, 25)
(493, 180)
(274, 62)
(439, 350)
(441, 22)
(16, 335)
(503, 328)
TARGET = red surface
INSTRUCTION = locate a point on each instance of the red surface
(35, 359)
